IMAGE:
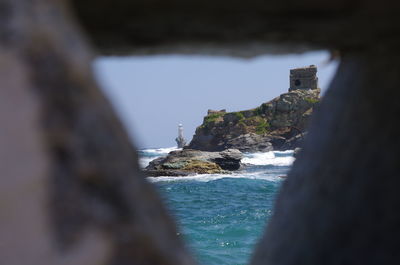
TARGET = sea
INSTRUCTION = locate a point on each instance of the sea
(221, 217)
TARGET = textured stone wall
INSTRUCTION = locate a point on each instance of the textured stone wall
(303, 78)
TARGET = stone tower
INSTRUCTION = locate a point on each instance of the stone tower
(303, 78)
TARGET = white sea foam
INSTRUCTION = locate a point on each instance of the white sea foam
(211, 177)
(144, 161)
(281, 159)
(288, 152)
(161, 151)
(274, 158)
(152, 153)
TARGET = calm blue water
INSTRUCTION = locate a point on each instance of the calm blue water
(221, 217)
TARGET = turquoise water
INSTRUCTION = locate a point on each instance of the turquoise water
(222, 217)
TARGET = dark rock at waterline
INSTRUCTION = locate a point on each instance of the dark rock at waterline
(229, 160)
(188, 162)
(251, 142)
(293, 142)
(167, 173)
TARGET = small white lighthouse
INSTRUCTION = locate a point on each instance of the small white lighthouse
(180, 140)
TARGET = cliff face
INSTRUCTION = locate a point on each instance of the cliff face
(275, 125)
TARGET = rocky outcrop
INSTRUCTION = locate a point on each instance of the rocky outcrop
(275, 125)
(188, 162)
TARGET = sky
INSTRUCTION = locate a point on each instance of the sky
(153, 94)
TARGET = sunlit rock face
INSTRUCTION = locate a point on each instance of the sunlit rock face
(278, 124)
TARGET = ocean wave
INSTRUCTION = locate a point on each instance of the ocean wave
(273, 158)
(144, 161)
(147, 155)
(160, 151)
(286, 152)
(212, 177)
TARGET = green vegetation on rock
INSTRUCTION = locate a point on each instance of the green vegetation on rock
(212, 118)
(176, 165)
(312, 100)
(262, 127)
(253, 120)
(258, 110)
(202, 167)
(254, 129)
(239, 115)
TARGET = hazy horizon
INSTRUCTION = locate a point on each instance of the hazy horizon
(153, 94)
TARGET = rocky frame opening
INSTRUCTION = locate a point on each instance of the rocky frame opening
(87, 185)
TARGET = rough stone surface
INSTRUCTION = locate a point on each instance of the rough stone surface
(276, 125)
(188, 162)
(303, 78)
(71, 189)
(235, 28)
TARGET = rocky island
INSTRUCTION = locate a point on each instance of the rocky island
(187, 162)
(279, 124)
(275, 125)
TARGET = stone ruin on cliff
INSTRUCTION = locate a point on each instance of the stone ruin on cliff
(303, 78)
